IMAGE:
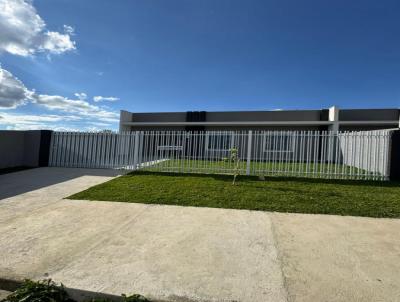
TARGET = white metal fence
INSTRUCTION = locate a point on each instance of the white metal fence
(339, 155)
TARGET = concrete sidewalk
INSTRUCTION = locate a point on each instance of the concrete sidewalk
(335, 258)
(189, 254)
(167, 253)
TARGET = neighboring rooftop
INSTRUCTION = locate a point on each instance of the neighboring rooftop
(353, 118)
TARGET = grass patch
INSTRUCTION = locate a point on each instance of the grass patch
(296, 195)
(268, 168)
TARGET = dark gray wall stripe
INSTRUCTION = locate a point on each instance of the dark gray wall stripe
(44, 151)
(395, 156)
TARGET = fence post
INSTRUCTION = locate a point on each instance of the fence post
(136, 151)
(249, 139)
(394, 159)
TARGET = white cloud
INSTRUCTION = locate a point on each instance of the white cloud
(69, 30)
(99, 124)
(103, 98)
(13, 92)
(56, 43)
(82, 96)
(15, 121)
(83, 108)
(23, 32)
(12, 118)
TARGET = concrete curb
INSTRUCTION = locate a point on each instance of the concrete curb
(79, 295)
(9, 284)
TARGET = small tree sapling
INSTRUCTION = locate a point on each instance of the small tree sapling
(234, 157)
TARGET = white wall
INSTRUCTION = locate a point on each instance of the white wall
(369, 151)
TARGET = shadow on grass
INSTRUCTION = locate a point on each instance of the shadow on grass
(245, 178)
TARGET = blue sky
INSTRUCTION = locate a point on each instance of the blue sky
(201, 55)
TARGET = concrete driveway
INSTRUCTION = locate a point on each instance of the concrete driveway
(189, 254)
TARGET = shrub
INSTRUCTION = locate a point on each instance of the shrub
(49, 291)
(43, 291)
(125, 298)
(134, 298)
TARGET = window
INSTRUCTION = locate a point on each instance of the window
(220, 141)
(170, 142)
(169, 148)
(278, 142)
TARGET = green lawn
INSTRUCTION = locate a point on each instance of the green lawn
(296, 195)
(292, 169)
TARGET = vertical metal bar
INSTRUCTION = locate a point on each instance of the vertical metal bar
(301, 165)
(71, 145)
(102, 150)
(386, 154)
(61, 149)
(98, 149)
(106, 150)
(257, 166)
(67, 149)
(96, 146)
(92, 149)
(361, 168)
(126, 149)
(202, 148)
(345, 155)
(315, 152)
(249, 143)
(271, 150)
(88, 150)
(136, 151)
(79, 150)
(369, 159)
(53, 149)
(189, 156)
(358, 140)
(78, 157)
(83, 150)
(112, 149)
(121, 157)
(355, 168)
(173, 151)
(198, 151)
(336, 152)
(58, 145)
(376, 153)
(330, 156)
(51, 154)
(349, 171)
(307, 153)
(184, 139)
(288, 141)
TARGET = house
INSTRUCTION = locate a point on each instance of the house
(332, 119)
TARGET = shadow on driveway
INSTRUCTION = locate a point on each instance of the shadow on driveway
(13, 184)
